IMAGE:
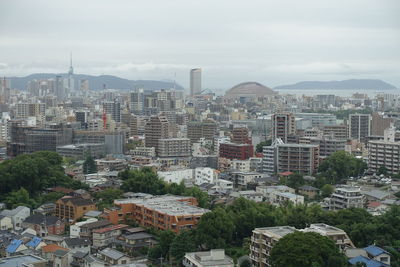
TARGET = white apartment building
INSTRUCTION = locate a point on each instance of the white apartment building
(205, 175)
(264, 239)
(279, 198)
(346, 197)
(240, 165)
(177, 176)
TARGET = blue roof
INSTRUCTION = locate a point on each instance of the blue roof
(375, 251)
(14, 245)
(368, 262)
(35, 241)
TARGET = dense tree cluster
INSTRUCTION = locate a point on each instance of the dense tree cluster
(230, 227)
(146, 180)
(306, 249)
(340, 166)
(23, 179)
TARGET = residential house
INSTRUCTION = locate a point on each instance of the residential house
(105, 236)
(92, 261)
(309, 191)
(378, 254)
(5, 223)
(23, 260)
(17, 215)
(44, 225)
(114, 257)
(48, 251)
(76, 244)
(86, 230)
(135, 241)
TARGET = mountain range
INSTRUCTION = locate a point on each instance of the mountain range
(98, 82)
(340, 85)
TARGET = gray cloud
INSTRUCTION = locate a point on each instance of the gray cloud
(273, 42)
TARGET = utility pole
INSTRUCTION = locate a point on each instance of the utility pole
(161, 260)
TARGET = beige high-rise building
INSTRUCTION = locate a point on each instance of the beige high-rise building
(283, 125)
(379, 123)
(156, 128)
(195, 82)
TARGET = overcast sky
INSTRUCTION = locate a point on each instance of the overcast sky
(268, 41)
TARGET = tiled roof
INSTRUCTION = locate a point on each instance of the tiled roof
(53, 248)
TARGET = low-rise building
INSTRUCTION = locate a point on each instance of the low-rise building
(279, 198)
(212, 258)
(340, 237)
(346, 197)
(104, 236)
(114, 257)
(205, 175)
(44, 225)
(309, 191)
(166, 212)
(17, 215)
(73, 208)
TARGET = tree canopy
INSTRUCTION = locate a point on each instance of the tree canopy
(341, 165)
(304, 249)
(34, 173)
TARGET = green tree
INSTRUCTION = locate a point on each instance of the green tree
(89, 165)
(106, 197)
(202, 197)
(182, 243)
(165, 240)
(215, 229)
(382, 170)
(341, 165)
(327, 190)
(20, 198)
(259, 146)
(301, 249)
(144, 180)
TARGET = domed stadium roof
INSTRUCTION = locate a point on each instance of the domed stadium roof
(249, 89)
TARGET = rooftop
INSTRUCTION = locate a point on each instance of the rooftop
(166, 204)
(276, 231)
(112, 253)
(110, 228)
(24, 260)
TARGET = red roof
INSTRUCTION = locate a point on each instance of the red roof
(61, 190)
(374, 204)
(110, 228)
(285, 173)
(53, 248)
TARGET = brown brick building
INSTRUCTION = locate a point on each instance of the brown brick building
(73, 208)
(167, 212)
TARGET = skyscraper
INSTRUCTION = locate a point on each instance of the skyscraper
(114, 109)
(195, 82)
(70, 78)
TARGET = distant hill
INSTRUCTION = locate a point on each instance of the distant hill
(339, 85)
(97, 82)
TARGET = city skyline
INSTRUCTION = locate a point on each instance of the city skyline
(260, 42)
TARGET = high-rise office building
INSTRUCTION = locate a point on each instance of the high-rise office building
(137, 101)
(283, 125)
(59, 88)
(114, 109)
(359, 126)
(195, 82)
